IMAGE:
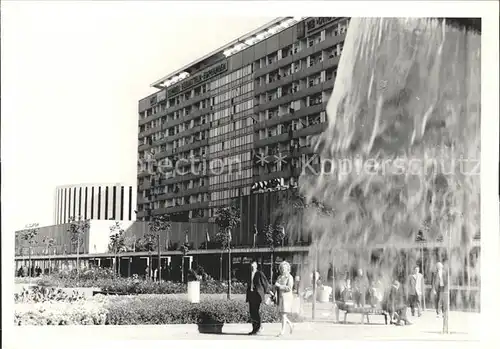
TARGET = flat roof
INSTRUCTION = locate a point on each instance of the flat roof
(219, 50)
(63, 186)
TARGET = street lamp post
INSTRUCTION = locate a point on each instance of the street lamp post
(229, 264)
(159, 259)
(78, 257)
(29, 264)
(448, 291)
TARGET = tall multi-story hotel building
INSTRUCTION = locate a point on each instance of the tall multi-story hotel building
(99, 201)
(236, 123)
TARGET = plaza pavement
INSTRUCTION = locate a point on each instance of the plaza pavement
(463, 327)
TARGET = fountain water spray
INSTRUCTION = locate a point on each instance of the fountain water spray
(404, 116)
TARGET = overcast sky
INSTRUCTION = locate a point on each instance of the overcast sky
(75, 74)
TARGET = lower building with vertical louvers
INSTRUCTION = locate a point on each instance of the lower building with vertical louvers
(99, 201)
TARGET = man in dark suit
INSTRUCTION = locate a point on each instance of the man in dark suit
(440, 288)
(258, 287)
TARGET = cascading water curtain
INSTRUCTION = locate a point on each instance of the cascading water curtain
(401, 151)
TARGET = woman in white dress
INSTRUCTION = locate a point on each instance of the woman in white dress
(284, 287)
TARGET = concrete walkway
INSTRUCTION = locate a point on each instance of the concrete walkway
(463, 326)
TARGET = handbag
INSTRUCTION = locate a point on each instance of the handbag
(269, 300)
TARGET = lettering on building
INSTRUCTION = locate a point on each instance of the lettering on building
(198, 79)
(316, 23)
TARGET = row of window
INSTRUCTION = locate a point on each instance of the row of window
(172, 188)
(233, 93)
(232, 160)
(186, 96)
(229, 194)
(234, 109)
(224, 80)
(295, 125)
(232, 85)
(180, 201)
(274, 149)
(230, 144)
(293, 106)
(230, 177)
(231, 127)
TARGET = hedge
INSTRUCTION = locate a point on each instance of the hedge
(158, 309)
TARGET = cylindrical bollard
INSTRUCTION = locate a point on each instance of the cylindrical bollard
(324, 294)
(193, 291)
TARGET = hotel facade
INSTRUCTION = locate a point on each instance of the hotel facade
(236, 125)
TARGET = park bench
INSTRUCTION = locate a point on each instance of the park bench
(367, 310)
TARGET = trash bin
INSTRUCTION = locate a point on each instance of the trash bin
(324, 293)
(193, 291)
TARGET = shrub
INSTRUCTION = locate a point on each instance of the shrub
(193, 275)
(85, 275)
(46, 282)
(133, 286)
(148, 310)
(137, 286)
(217, 287)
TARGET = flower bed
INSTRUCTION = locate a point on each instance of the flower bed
(82, 312)
(39, 294)
(49, 306)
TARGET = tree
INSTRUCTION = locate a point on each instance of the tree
(29, 234)
(117, 243)
(227, 218)
(184, 248)
(275, 236)
(223, 240)
(147, 243)
(49, 243)
(78, 227)
(156, 226)
(130, 243)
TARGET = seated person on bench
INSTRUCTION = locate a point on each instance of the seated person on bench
(346, 294)
(375, 294)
